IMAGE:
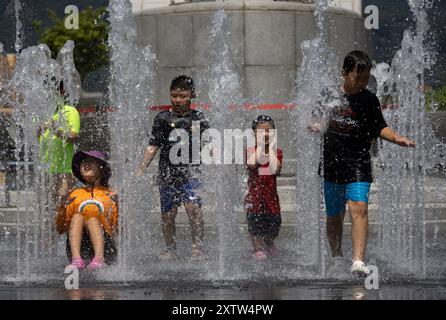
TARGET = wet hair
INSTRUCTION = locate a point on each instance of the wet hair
(105, 177)
(356, 58)
(183, 83)
(260, 119)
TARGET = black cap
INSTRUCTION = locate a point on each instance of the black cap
(262, 118)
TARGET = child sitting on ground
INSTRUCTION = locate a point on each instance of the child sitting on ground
(89, 215)
(264, 162)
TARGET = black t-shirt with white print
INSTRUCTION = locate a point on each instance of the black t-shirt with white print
(164, 123)
(351, 129)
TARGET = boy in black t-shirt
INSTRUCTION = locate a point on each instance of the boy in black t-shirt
(347, 171)
(178, 175)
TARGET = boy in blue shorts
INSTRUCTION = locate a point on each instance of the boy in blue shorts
(179, 182)
(347, 170)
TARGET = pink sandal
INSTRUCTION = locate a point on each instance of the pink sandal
(96, 264)
(273, 252)
(79, 263)
(259, 255)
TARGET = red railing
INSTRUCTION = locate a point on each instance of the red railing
(276, 106)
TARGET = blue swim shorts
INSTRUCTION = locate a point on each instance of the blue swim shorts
(337, 194)
(171, 196)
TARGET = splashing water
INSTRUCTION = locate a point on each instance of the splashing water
(130, 89)
(72, 79)
(34, 100)
(402, 178)
(32, 93)
(18, 26)
(402, 232)
(320, 9)
(4, 76)
(315, 83)
(221, 178)
(381, 73)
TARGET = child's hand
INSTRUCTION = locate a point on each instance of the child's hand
(273, 142)
(315, 127)
(405, 142)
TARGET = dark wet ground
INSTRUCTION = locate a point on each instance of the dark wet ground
(302, 291)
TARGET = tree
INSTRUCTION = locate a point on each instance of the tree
(436, 99)
(91, 51)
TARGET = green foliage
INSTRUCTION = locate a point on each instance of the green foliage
(91, 51)
(436, 99)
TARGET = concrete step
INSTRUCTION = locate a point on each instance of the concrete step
(435, 191)
(286, 181)
(435, 209)
(434, 228)
(434, 212)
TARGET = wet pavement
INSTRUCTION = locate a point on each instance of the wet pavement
(230, 275)
(428, 290)
(287, 277)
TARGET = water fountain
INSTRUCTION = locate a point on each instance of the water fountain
(34, 86)
(4, 74)
(221, 177)
(19, 28)
(32, 94)
(316, 84)
(403, 234)
(402, 178)
(130, 92)
(71, 77)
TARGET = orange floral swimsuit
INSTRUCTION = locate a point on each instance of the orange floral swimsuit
(100, 203)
